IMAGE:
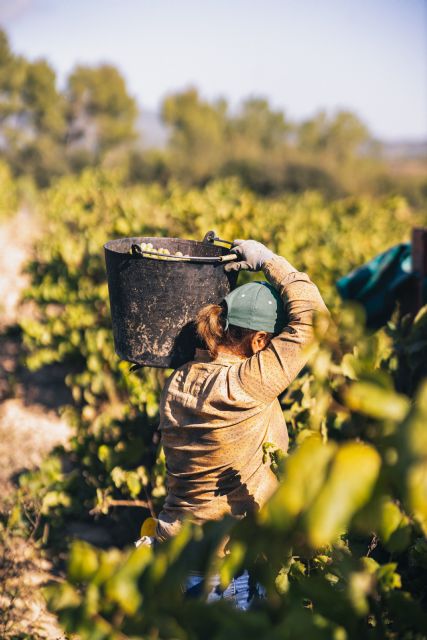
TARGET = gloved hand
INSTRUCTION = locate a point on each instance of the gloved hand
(252, 256)
(145, 541)
(147, 533)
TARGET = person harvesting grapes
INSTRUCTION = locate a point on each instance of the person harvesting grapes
(217, 410)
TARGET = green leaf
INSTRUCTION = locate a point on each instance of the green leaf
(122, 587)
(388, 578)
(348, 486)
(376, 402)
(63, 596)
(232, 562)
(82, 562)
(411, 442)
(394, 527)
(54, 499)
(303, 476)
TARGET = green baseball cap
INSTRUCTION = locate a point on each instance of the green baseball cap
(257, 306)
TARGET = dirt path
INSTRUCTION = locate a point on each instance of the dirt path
(16, 239)
(30, 427)
(29, 423)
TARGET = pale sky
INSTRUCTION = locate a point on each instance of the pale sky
(369, 56)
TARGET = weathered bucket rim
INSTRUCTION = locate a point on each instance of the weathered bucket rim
(224, 255)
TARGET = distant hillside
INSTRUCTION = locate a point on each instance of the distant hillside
(407, 159)
(405, 150)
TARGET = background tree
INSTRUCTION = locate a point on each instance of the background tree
(101, 114)
(32, 116)
(198, 134)
(337, 150)
(259, 126)
(342, 136)
(258, 145)
(12, 78)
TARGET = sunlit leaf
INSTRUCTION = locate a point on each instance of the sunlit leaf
(347, 487)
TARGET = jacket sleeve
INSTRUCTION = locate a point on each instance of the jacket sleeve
(268, 373)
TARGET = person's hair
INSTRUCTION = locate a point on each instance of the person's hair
(210, 326)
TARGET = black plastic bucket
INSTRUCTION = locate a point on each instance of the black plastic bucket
(154, 302)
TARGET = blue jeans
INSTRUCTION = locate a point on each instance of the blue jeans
(241, 592)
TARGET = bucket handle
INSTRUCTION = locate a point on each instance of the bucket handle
(209, 238)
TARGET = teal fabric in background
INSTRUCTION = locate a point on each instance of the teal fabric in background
(376, 285)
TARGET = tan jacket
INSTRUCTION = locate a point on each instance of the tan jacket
(215, 416)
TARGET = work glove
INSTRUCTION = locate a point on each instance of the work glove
(251, 256)
(147, 533)
(145, 541)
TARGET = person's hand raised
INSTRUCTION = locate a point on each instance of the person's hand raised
(251, 256)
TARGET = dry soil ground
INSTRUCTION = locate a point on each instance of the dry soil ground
(29, 427)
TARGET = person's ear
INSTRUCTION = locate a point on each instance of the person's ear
(259, 341)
